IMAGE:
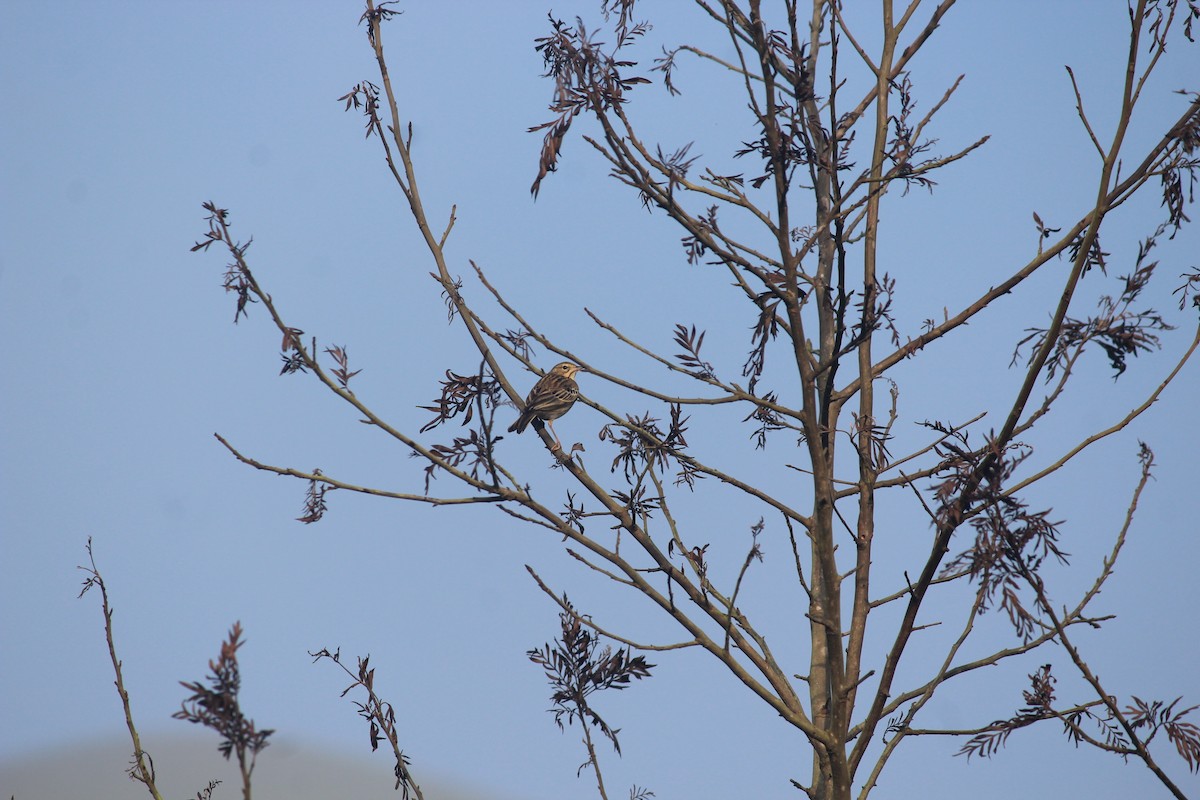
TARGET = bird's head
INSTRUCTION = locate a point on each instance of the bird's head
(567, 369)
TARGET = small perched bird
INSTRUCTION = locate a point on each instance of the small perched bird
(550, 398)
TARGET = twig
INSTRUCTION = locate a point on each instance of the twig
(142, 769)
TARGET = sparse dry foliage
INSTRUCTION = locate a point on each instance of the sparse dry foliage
(1039, 702)
(577, 666)
(216, 706)
(380, 716)
(796, 234)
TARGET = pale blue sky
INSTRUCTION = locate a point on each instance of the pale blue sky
(120, 362)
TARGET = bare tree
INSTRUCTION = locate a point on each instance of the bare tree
(797, 231)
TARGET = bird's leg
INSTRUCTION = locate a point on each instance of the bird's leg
(557, 443)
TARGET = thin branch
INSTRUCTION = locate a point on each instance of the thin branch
(1115, 427)
(142, 769)
(591, 623)
(321, 478)
(1083, 116)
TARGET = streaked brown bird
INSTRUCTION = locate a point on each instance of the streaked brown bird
(550, 398)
